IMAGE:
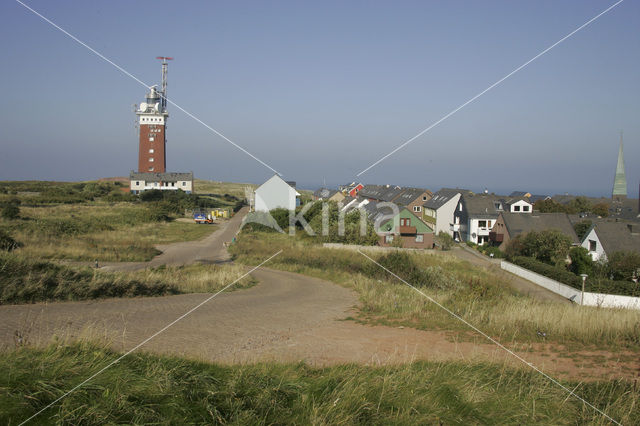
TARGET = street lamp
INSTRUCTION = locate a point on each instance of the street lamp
(584, 278)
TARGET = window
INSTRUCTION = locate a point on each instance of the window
(150, 169)
(419, 238)
(405, 222)
(151, 159)
(482, 223)
(516, 208)
(592, 245)
(137, 183)
(488, 224)
(151, 138)
(424, 198)
(184, 183)
(417, 209)
(388, 238)
(151, 151)
(460, 207)
(525, 208)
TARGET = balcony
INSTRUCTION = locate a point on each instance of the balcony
(495, 237)
(407, 230)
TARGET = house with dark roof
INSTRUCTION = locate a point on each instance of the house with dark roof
(351, 189)
(475, 215)
(510, 225)
(605, 238)
(372, 192)
(438, 211)
(324, 194)
(413, 199)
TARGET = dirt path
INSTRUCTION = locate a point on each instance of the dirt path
(286, 317)
(210, 249)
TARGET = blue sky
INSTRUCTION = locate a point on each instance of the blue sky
(321, 90)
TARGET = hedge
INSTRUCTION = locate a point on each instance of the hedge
(594, 285)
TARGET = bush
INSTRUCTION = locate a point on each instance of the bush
(549, 271)
(581, 262)
(159, 212)
(624, 265)
(10, 211)
(444, 240)
(492, 250)
(7, 243)
(281, 217)
(581, 228)
(550, 246)
(403, 265)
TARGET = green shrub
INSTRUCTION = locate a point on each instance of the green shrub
(403, 265)
(7, 243)
(581, 262)
(624, 265)
(10, 211)
(444, 240)
(492, 250)
(281, 217)
(555, 273)
(549, 246)
(582, 227)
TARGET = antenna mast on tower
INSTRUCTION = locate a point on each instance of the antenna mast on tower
(165, 66)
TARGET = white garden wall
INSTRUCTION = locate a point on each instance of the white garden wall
(590, 299)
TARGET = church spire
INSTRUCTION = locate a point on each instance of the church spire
(620, 181)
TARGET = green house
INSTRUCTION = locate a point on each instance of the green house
(408, 227)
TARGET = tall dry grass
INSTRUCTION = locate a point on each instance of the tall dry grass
(195, 278)
(109, 233)
(26, 281)
(478, 295)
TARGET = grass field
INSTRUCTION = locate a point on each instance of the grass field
(473, 293)
(214, 187)
(151, 389)
(89, 221)
(87, 232)
(27, 281)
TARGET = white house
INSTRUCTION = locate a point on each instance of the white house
(439, 211)
(276, 193)
(519, 206)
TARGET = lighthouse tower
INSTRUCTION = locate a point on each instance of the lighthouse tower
(152, 161)
(152, 120)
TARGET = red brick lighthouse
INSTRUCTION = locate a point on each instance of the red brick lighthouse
(152, 120)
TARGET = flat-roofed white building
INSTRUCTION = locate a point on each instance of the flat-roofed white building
(163, 181)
